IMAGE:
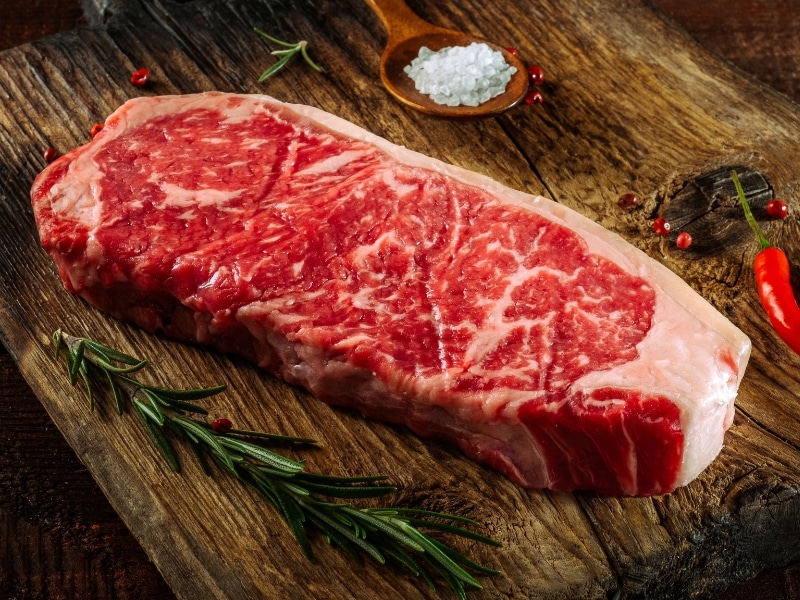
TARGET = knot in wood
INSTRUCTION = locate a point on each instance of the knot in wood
(708, 208)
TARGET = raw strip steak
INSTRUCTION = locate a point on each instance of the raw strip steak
(420, 293)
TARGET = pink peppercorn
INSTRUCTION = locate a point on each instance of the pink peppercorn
(684, 240)
(661, 226)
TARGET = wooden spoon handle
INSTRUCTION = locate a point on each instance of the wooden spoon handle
(400, 21)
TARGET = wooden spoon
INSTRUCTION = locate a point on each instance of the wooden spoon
(407, 34)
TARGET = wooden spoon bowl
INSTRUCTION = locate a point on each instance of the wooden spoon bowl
(407, 34)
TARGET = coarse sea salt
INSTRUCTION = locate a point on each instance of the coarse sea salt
(460, 75)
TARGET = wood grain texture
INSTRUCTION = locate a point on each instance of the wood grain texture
(602, 131)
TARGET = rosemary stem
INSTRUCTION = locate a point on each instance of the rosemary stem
(295, 494)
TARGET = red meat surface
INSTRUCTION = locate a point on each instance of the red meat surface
(414, 291)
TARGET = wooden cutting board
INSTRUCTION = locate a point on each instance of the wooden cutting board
(631, 105)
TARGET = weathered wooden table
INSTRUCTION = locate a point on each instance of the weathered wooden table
(61, 537)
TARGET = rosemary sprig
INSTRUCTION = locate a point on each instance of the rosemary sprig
(286, 55)
(297, 495)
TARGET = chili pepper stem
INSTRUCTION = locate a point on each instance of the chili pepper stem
(762, 239)
(773, 281)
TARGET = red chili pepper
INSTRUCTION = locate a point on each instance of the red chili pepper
(773, 281)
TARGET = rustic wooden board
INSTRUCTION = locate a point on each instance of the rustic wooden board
(631, 105)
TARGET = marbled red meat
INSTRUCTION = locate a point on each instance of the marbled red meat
(538, 342)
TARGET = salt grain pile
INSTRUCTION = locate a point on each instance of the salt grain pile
(460, 75)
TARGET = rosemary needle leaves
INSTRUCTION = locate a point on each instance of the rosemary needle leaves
(297, 495)
(285, 55)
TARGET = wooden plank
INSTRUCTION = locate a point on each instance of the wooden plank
(592, 140)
